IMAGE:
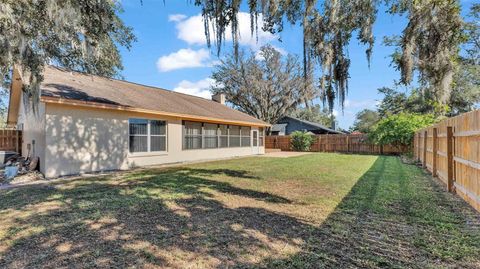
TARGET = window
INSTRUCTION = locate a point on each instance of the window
(223, 135)
(192, 135)
(158, 139)
(138, 135)
(210, 138)
(199, 135)
(246, 136)
(147, 135)
(261, 136)
(234, 136)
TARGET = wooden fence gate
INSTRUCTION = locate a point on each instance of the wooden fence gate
(450, 150)
(10, 140)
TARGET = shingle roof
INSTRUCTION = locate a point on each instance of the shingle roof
(279, 127)
(68, 85)
(316, 125)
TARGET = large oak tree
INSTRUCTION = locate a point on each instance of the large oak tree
(264, 84)
(82, 35)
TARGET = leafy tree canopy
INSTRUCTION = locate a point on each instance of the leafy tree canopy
(365, 120)
(266, 85)
(395, 102)
(77, 34)
(315, 114)
(465, 97)
(399, 129)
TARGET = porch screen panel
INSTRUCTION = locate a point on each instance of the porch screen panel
(210, 137)
(223, 135)
(234, 136)
(246, 135)
(260, 136)
(192, 138)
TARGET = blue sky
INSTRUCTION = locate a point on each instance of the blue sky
(171, 52)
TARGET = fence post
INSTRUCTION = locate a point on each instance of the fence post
(418, 147)
(450, 159)
(414, 150)
(419, 136)
(348, 144)
(318, 143)
(425, 136)
(434, 152)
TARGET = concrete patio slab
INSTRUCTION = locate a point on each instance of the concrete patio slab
(285, 154)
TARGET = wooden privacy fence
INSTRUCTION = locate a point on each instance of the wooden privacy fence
(351, 143)
(450, 150)
(10, 140)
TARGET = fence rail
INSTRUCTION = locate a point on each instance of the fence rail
(10, 140)
(335, 143)
(450, 150)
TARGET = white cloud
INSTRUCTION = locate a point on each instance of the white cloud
(199, 88)
(184, 58)
(192, 31)
(176, 17)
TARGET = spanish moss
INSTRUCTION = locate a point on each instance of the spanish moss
(429, 43)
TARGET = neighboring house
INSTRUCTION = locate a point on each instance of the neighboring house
(85, 123)
(288, 125)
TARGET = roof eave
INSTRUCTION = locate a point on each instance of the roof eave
(14, 97)
(87, 104)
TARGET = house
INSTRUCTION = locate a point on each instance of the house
(85, 123)
(288, 125)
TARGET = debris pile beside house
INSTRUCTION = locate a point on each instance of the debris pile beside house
(16, 169)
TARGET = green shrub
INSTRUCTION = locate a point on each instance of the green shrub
(398, 130)
(301, 141)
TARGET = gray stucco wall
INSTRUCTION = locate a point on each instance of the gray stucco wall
(81, 140)
(32, 124)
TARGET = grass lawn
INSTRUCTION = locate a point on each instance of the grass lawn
(311, 211)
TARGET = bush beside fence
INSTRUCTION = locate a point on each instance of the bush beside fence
(450, 150)
(335, 143)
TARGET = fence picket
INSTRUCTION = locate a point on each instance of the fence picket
(335, 143)
(10, 140)
(456, 154)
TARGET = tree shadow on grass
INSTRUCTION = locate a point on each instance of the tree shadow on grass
(94, 223)
(393, 217)
(193, 181)
(167, 218)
